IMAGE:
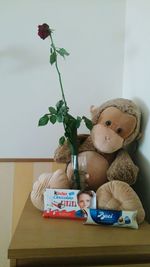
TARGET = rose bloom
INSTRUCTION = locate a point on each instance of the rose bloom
(44, 31)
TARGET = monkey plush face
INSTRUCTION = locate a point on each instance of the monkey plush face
(112, 129)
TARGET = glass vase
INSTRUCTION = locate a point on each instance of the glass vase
(79, 167)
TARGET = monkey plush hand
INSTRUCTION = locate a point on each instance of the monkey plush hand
(116, 124)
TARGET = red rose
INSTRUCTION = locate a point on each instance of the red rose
(44, 31)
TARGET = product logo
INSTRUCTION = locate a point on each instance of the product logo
(60, 193)
(103, 216)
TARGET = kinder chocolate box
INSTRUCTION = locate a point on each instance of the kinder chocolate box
(65, 203)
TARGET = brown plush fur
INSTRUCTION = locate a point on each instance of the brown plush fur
(121, 166)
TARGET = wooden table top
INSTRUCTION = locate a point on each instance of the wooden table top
(37, 237)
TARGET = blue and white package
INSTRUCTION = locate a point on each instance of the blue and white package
(119, 218)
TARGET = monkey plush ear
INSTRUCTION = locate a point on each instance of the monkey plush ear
(95, 112)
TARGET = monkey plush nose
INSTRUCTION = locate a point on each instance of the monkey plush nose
(107, 138)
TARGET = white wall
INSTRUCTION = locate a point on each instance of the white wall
(92, 31)
(137, 83)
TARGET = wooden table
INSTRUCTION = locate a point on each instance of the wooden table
(58, 242)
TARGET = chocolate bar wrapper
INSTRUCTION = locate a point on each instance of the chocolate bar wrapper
(65, 214)
(116, 218)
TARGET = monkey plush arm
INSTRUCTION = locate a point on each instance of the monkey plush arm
(63, 154)
(123, 168)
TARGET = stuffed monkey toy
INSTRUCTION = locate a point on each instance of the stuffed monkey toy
(116, 124)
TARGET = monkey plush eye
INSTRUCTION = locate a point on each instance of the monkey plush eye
(107, 123)
(119, 130)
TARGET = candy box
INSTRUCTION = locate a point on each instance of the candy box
(71, 204)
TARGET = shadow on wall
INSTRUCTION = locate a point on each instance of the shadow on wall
(142, 186)
(17, 59)
(145, 114)
(134, 148)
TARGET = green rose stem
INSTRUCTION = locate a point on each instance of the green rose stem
(72, 133)
(61, 112)
(59, 74)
